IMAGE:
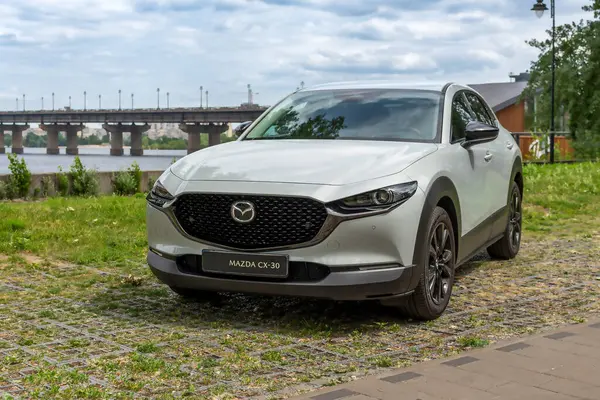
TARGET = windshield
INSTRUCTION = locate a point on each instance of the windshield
(371, 114)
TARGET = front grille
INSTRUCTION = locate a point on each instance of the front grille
(280, 221)
(298, 271)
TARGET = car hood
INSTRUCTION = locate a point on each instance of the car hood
(324, 162)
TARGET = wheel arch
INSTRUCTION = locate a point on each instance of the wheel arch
(517, 174)
(442, 192)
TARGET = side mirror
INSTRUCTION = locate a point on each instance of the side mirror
(478, 132)
(238, 130)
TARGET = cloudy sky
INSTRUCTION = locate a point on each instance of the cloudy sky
(100, 46)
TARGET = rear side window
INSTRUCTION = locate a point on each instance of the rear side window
(461, 116)
(481, 112)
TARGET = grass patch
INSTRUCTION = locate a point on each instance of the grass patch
(106, 230)
(562, 199)
(472, 341)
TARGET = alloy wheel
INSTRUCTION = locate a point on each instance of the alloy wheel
(440, 264)
(514, 228)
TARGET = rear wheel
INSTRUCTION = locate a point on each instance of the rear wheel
(508, 247)
(432, 295)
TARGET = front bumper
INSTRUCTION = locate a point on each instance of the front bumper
(339, 284)
(365, 258)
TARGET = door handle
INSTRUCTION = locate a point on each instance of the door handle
(509, 145)
(488, 156)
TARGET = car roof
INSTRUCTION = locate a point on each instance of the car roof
(379, 84)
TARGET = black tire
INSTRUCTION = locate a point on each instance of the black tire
(432, 295)
(508, 246)
(196, 295)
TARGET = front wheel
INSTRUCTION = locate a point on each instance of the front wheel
(432, 295)
(508, 247)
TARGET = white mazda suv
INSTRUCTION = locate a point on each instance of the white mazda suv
(349, 191)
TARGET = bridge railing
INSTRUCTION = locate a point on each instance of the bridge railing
(134, 110)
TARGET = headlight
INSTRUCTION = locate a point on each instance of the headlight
(159, 195)
(376, 200)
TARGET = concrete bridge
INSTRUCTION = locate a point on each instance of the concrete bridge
(194, 121)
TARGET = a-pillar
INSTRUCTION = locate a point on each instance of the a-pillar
(116, 138)
(214, 133)
(17, 137)
(52, 132)
(136, 139)
(193, 132)
(71, 131)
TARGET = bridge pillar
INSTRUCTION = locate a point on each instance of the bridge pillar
(2, 149)
(193, 131)
(52, 140)
(116, 138)
(71, 131)
(136, 139)
(214, 133)
(17, 137)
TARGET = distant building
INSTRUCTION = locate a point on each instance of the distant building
(504, 97)
(514, 113)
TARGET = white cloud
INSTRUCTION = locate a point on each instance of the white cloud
(101, 46)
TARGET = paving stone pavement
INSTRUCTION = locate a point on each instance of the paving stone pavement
(559, 365)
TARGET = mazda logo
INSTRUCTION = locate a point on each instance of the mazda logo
(243, 212)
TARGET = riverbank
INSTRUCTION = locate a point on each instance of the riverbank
(94, 157)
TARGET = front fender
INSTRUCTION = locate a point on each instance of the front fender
(440, 188)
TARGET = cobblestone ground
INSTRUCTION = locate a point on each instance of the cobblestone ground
(68, 331)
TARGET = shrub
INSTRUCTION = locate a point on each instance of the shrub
(47, 186)
(20, 178)
(124, 183)
(587, 146)
(85, 181)
(136, 173)
(3, 190)
(63, 182)
(128, 182)
(151, 182)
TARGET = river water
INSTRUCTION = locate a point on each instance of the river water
(97, 158)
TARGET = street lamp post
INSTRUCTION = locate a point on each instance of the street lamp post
(99, 102)
(42, 103)
(119, 99)
(23, 102)
(206, 98)
(17, 104)
(167, 100)
(52, 101)
(158, 98)
(539, 8)
(201, 88)
(69, 101)
(132, 101)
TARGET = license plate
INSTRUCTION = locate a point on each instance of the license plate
(260, 265)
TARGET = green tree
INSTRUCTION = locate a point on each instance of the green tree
(577, 87)
(33, 140)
